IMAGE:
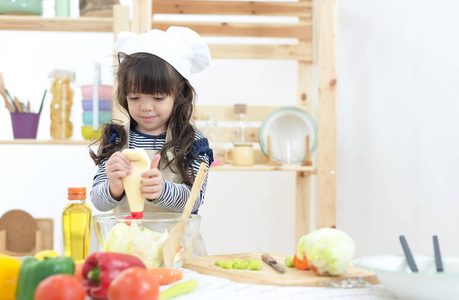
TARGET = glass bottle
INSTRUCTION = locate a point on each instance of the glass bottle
(61, 104)
(76, 225)
(211, 128)
(212, 136)
(239, 124)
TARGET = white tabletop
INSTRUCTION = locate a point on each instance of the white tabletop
(210, 287)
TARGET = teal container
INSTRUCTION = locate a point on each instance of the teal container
(104, 117)
(32, 7)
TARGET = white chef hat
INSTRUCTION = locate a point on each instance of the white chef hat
(181, 47)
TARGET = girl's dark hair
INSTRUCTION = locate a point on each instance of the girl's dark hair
(148, 74)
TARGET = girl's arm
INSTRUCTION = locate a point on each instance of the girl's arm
(100, 194)
(174, 196)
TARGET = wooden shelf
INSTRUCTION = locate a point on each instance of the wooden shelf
(38, 23)
(225, 167)
(264, 168)
(45, 142)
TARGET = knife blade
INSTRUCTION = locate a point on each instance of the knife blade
(272, 262)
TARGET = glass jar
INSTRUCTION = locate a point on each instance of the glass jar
(239, 124)
(61, 104)
(211, 133)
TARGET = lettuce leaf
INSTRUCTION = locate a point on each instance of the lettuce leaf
(137, 240)
(329, 251)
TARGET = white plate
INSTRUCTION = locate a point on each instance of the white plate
(283, 123)
(393, 272)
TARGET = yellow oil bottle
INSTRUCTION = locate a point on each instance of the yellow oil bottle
(76, 225)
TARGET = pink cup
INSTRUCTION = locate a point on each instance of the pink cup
(25, 125)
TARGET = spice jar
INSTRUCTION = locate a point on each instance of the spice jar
(61, 104)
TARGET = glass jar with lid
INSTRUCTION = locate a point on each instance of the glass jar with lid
(61, 104)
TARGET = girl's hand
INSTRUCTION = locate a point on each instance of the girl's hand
(152, 183)
(117, 167)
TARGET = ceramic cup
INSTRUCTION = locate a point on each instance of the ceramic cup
(240, 155)
(25, 125)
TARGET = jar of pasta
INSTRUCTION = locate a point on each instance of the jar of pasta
(61, 104)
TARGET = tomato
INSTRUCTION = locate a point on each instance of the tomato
(166, 275)
(60, 287)
(300, 264)
(79, 271)
(134, 283)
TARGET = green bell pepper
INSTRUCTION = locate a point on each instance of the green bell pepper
(33, 271)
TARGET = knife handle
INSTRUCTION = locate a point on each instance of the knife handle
(268, 259)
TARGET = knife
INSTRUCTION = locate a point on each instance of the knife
(272, 262)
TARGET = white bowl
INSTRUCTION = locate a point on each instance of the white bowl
(427, 284)
(284, 123)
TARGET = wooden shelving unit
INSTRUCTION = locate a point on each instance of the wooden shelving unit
(302, 52)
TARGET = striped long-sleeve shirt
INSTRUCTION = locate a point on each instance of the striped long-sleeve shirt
(173, 195)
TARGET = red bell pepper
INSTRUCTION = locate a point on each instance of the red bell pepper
(100, 268)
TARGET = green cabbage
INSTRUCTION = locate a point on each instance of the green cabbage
(329, 251)
(136, 240)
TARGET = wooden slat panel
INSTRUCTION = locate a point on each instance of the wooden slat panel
(225, 134)
(259, 157)
(293, 9)
(264, 167)
(46, 142)
(229, 29)
(141, 21)
(326, 157)
(121, 22)
(302, 205)
(301, 52)
(303, 180)
(86, 24)
(225, 113)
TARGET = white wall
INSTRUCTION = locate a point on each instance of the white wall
(397, 124)
(396, 113)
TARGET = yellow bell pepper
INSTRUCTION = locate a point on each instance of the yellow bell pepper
(8, 276)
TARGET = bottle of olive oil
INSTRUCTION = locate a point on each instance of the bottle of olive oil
(76, 225)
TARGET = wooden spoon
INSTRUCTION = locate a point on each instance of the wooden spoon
(173, 240)
(3, 93)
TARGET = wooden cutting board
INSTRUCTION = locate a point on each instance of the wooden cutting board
(20, 228)
(267, 275)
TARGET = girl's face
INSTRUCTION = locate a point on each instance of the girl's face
(151, 112)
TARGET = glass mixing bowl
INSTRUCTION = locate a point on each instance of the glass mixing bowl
(145, 237)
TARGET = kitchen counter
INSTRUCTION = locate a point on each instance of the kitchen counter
(210, 287)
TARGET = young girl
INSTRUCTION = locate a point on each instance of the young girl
(154, 90)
